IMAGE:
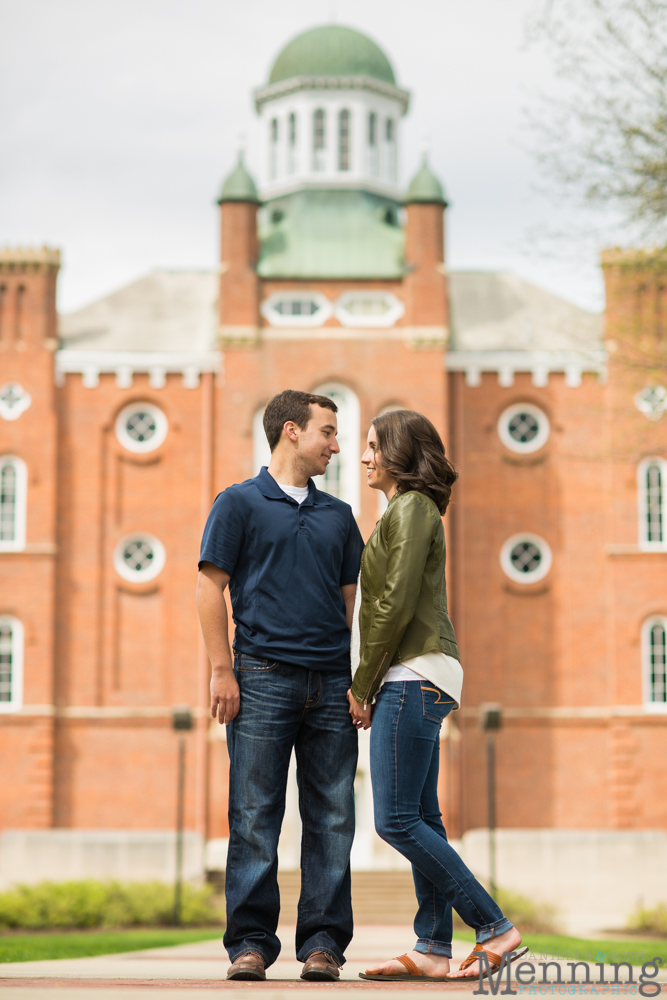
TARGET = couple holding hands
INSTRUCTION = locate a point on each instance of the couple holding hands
(332, 637)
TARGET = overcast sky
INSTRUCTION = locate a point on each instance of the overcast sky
(120, 119)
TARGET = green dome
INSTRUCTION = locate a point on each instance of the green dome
(332, 51)
(425, 186)
(239, 185)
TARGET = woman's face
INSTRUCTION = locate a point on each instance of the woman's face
(377, 477)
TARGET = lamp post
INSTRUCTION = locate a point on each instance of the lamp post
(182, 722)
(490, 721)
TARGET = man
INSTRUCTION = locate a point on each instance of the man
(290, 555)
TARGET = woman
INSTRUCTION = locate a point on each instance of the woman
(407, 674)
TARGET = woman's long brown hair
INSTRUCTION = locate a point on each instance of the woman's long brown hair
(413, 452)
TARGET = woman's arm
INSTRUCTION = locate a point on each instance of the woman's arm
(409, 534)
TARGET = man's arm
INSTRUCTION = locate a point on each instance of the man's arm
(212, 607)
(349, 592)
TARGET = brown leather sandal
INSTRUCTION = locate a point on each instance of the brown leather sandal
(495, 961)
(413, 974)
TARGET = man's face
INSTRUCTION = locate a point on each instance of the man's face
(317, 442)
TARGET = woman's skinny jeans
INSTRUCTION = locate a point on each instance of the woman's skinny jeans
(405, 750)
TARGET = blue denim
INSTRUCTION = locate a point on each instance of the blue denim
(405, 752)
(283, 706)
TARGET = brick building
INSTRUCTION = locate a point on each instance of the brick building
(118, 428)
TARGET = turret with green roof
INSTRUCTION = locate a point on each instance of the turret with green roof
(425, 187)
(238, 185)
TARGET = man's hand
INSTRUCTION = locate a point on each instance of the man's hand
(211, 585)
(361, 717)
(225, 698)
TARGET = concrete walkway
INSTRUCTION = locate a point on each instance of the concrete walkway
(184, 971)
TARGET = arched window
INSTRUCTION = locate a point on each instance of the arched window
(11, 664)
(652, 493)
(373, 158)
(13, 481)
(654, 656)
(344, 140)
(273, 149)
(260, 446)
(342, 476)
(390, 149)
(319, 140)
(381, 498)
(291, 143)
(20, 311)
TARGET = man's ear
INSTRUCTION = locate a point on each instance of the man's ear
(291, 429)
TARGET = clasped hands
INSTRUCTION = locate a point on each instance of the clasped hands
(361, 716)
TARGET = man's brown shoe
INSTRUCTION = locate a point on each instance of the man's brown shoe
(247, 966)
(320, 966)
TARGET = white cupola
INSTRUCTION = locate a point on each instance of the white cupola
(330, 116)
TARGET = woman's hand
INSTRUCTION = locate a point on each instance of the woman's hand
(361, 717)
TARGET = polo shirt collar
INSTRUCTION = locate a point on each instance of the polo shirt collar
(267, 485)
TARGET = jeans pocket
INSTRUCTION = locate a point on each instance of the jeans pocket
(249, 664)
(436, 705)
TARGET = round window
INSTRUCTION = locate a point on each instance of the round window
(141, 427)
(14, 400)
(523, 428)
(139, 557)
(525, 558)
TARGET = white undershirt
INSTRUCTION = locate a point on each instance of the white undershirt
(298, 493)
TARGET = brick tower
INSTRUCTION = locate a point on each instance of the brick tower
(28, 532)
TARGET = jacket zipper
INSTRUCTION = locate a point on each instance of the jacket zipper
(374, 679)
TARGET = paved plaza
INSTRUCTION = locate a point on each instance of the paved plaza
(185, 971)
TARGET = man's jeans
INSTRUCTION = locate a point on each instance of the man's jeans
(405, 750)
(283, 707)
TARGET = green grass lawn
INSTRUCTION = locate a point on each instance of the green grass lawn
(38, 946)
(630, 949)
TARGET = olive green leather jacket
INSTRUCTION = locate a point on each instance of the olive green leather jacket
(403, 610)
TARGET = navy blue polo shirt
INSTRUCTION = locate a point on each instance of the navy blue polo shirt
(287, 563)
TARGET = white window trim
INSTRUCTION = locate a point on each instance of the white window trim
(141, 447)
(528, 447)
(506, 561)
(16, 704)
(351, 458)
(144, 575)
(275, 318)
(642, 507)
(18, 544)
(650, 706)
(394, 313)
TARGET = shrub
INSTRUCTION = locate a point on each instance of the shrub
(529, 917)
(92, 903)
(650, 921)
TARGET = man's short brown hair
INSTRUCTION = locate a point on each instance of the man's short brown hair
(291, 405)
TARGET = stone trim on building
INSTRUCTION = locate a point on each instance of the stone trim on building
(296, 83)
(539, 363)
(125, 364)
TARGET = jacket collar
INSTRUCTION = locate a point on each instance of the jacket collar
(267, 485)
